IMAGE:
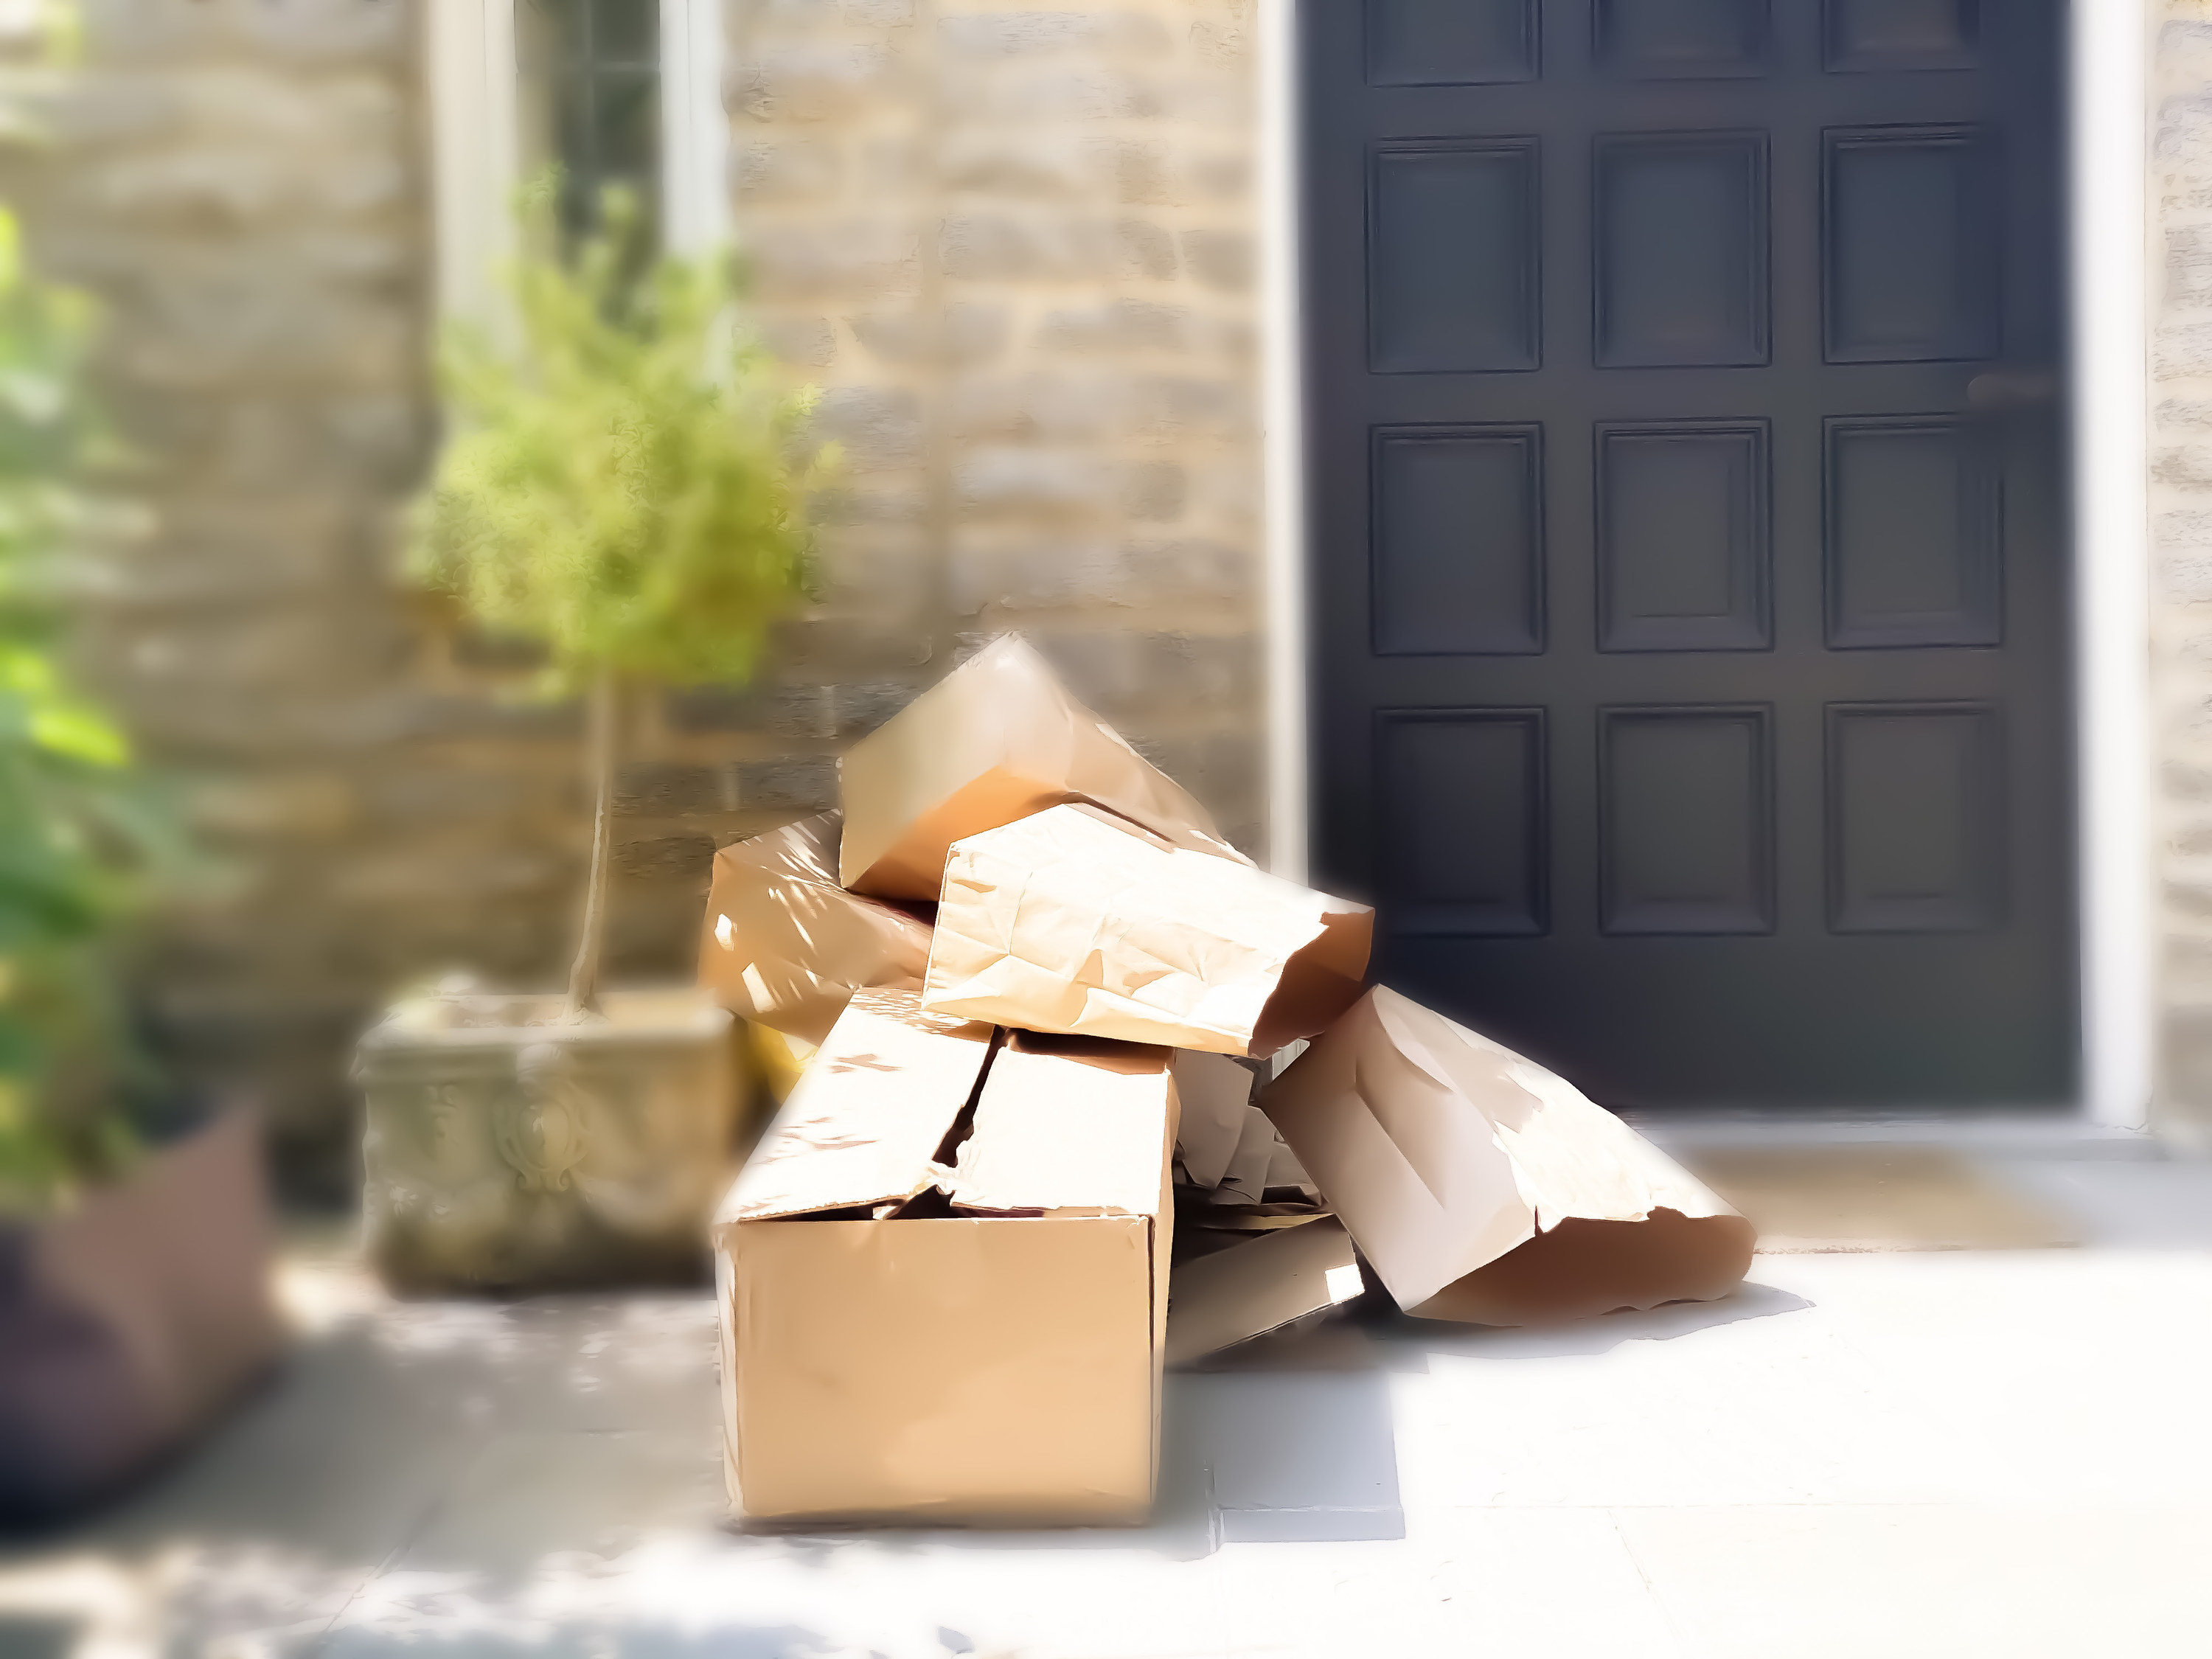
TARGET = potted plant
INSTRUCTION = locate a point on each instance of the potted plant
(133, 1231)
(622, 487)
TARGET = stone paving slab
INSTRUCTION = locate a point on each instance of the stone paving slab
(1951, 1454)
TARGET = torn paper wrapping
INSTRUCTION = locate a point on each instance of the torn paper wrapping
(1482, 1187)
(1216, 1093)
(943, 1280)
(996, 739)
(1071, 921)
(785, 945)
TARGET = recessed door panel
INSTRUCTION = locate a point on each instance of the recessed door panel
(1459, 540)
(1682, 39)
(1453, 258)
(1894, 35)
(1915, 818)
(1914, 552)
(1681, 231)
(1416, 43)
(1913, 262)
(1461, 798)
(1688, 821)
(1682, 537)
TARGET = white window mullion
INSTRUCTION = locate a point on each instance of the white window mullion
(473, 153)
(694, 133)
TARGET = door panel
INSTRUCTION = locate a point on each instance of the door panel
(1691, 681)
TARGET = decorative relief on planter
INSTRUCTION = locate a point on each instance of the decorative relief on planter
(505, 1154)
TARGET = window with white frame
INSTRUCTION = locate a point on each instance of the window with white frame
(624, 92)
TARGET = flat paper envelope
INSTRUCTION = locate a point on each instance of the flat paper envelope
(785, 945)
(996, 739)
(1483, 1187)
(1073, 921)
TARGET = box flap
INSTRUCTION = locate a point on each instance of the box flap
(1080, 1134)
(1249, 1290)
(1001, 728)
(1071, 920)
(783, 943)
(866, 1120)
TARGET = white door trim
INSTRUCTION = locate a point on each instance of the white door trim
(2110, 266)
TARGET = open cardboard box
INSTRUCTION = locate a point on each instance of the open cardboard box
(943, 1280)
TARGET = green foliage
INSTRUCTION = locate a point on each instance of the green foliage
(622, 487)
(84, 838)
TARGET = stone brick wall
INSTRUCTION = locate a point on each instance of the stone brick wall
(1014, 247)
(2181, 522)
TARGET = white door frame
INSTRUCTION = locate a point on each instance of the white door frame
(2110, 266)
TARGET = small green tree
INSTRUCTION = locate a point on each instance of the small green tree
(622, 486)
(84, 838)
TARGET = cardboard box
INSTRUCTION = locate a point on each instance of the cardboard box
(785, 944)
(1251, 1290)
(995, 740)
(1482, 1187)
(1074, 921)
(942, 1281)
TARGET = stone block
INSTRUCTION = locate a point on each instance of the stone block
(1016, 567)
(665, 858)
(804, 170)
(1191, 566)
(783, 711)
(1154, 492)
(861, 708)
(1044, 34)
(2189, 265)
(1002, 480)
(803, 784)
(1040, 407)
(813, 82)
(811, 341)
(878, 426)
(963, 332)
(878, 14)
(1124, 326)
(1220, 259)
(840, 258)
(1179, 406)
(668, 789)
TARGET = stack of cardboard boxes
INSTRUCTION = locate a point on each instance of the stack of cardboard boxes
(1044, 989)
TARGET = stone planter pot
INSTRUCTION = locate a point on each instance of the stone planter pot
(506, 1152)
(130, 1322)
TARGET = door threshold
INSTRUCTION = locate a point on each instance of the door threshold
(2056, 1135)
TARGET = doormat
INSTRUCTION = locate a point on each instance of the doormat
(1838, 1199)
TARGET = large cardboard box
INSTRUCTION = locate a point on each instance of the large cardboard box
(1072, 920)
(1481, 1186)
(942, 1281)
(996, 739)
(785, 944)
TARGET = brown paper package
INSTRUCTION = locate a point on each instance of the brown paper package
(943, 1280)
(1482, 1187)
(1074, 921)
(995, 740)
(785, 945)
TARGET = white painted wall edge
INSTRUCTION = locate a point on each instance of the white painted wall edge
(2109, 55)
(1283, 454)
(2112, 266)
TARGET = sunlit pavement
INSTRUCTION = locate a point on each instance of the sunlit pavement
(1954, 1454)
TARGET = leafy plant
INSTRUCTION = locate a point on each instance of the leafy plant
(83, 837)
(622, 486)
